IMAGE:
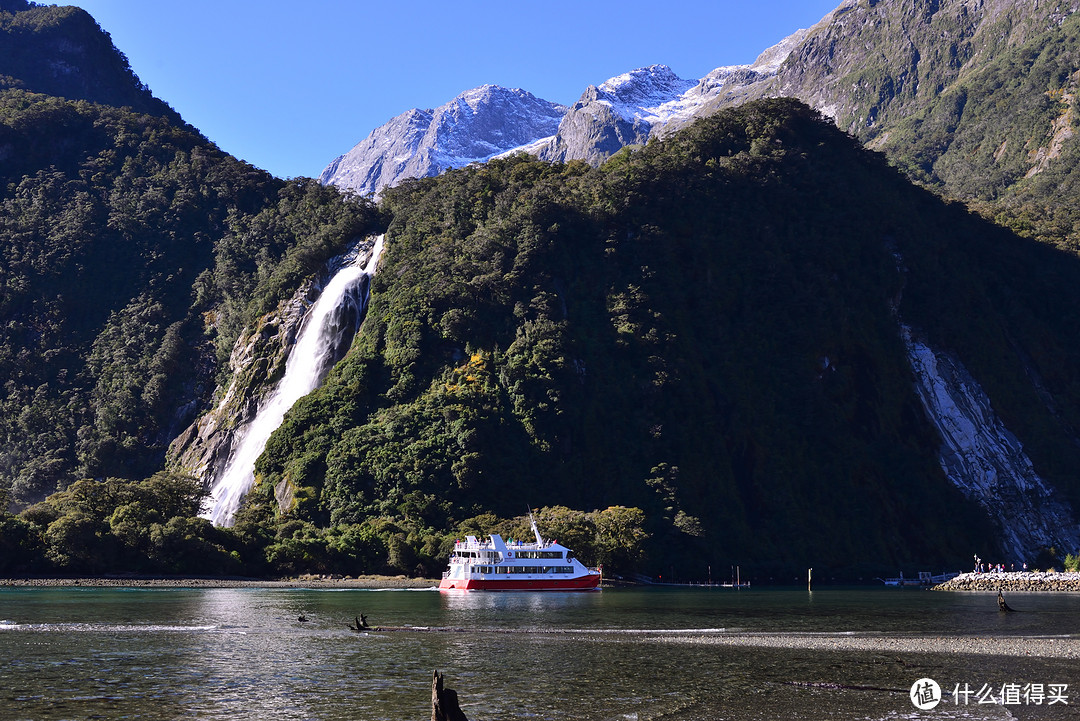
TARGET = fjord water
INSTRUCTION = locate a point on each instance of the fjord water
(80, 653)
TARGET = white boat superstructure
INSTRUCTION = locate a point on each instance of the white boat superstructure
(499, 565)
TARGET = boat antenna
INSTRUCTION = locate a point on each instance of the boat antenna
(535, 530)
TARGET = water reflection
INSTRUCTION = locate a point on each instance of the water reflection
(520, 608)
(241, 653)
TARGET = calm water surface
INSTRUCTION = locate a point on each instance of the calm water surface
(81, 653)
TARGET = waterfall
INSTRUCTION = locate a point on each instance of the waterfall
(324, 337)
(985, 460)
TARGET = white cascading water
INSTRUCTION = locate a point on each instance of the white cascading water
(310, 359)
(980, 455)
(985, 460)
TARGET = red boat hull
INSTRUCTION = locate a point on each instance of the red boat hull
(583, 583)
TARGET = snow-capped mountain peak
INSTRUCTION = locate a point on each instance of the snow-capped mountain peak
(473, 127)
(490, 121)
(645, 86)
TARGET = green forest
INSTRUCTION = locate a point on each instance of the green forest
(652, 333)
(998, 138)
(694, 346)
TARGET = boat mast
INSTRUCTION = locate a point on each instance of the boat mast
(535, 530)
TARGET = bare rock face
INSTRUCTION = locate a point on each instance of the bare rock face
(985, 460)
(614, 114)
(257, 360)
(256, 364)
(473, 127)
(390, 153)
(593, 131)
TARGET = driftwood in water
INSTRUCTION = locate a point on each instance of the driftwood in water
(1002, 606)
(444, 701)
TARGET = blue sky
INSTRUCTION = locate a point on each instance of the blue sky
(288, 86)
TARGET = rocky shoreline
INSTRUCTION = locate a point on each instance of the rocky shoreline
(313, 582)
(1016, 581)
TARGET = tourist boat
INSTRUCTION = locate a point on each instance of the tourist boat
(498, 565)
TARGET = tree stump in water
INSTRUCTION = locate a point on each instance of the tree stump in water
(1002, 606)
(444, 702)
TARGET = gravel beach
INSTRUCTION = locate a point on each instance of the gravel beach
(1042, 647)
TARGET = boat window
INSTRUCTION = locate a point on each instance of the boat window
(505, 569)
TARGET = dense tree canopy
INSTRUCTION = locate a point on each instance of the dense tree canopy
(706, 329)
(699, 340)
(130, 248)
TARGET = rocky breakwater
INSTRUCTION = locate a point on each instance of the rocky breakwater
(1026, 581)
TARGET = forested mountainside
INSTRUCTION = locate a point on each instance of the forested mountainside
(133, 253)
(709, 329)
(974, 99)
(131, 248)
(61, 51)
(717, 343)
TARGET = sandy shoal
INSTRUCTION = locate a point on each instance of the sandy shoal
(1035, 646)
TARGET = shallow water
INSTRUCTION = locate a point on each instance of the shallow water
(80, 653)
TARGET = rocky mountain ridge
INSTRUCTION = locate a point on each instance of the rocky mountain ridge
(624, 110)
(883, 71)
(473, 127)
